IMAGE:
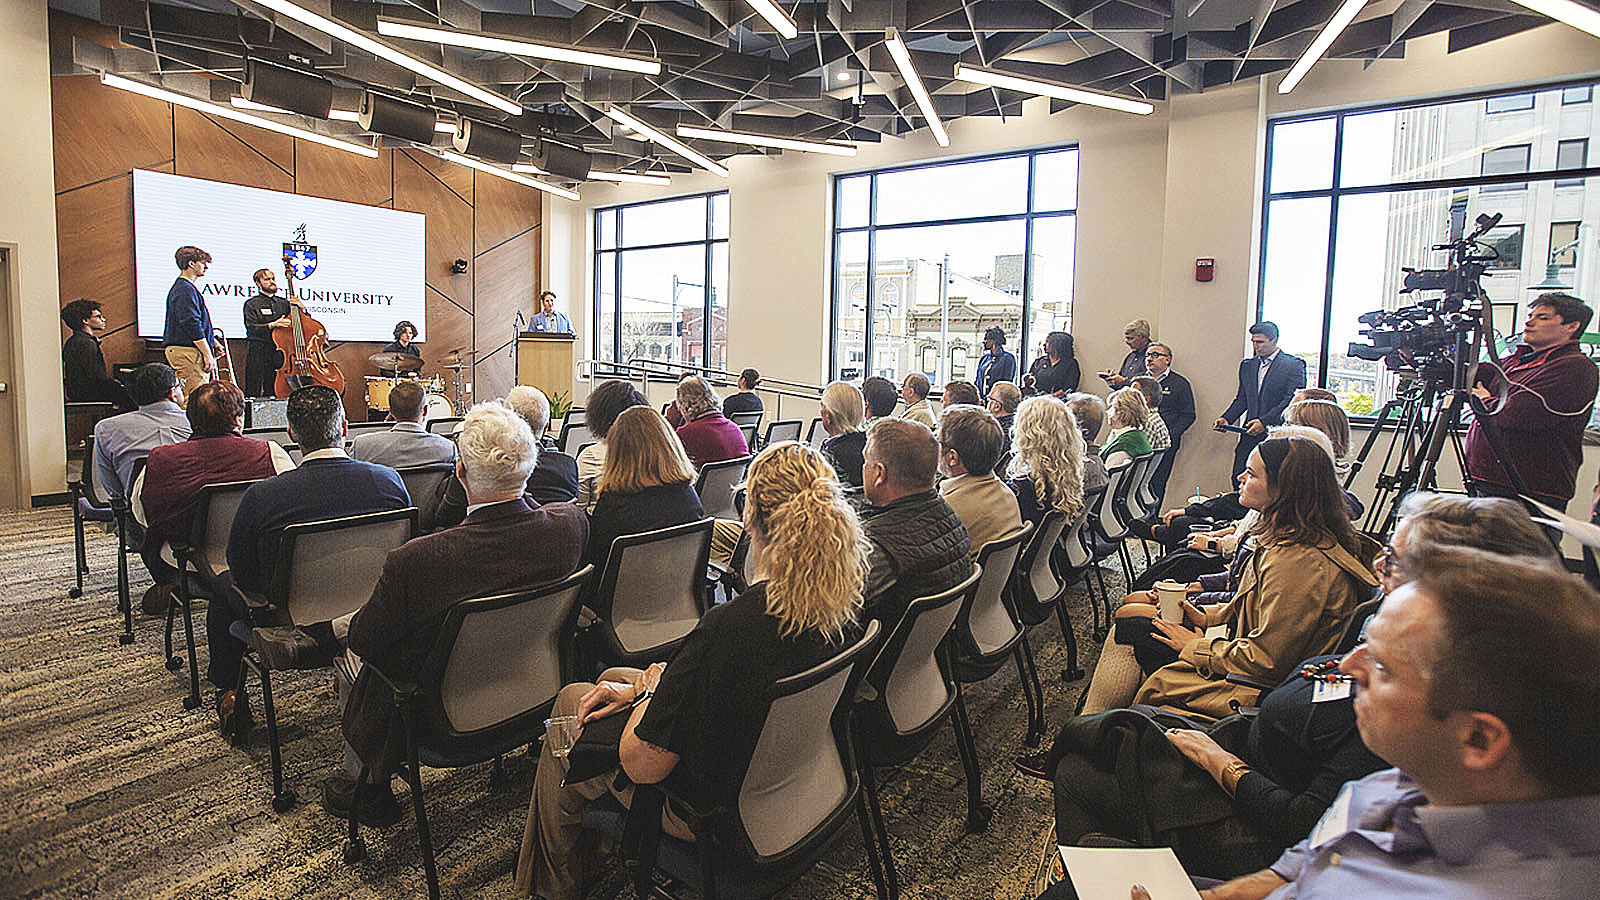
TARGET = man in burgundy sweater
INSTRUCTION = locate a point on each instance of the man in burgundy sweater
(1541, 420)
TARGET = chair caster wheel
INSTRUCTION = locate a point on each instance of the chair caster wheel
(191, 702)
(124, 639)
(978, 819)
(75, 593)
(1071, 675)
(284, 802)
(355, 851)
(174, 664)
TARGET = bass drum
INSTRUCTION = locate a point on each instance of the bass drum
(436, 406)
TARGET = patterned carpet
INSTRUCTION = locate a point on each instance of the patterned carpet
(112, 789)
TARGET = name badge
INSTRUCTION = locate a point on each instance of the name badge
(1322, 691)
(1335, 822)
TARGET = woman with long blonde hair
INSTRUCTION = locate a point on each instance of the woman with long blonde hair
(702, 713)
(1047, 453)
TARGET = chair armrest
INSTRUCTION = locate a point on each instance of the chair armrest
(403, 690)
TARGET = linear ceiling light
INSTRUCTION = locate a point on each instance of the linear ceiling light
(654, 136)
(357, 39)
(498, 172)
(902, 60)
(1578, 16)
(515, 47)
(775, 17)
(338, 115)
(763, 140)
(224, 112)
(630, 177)
(1011, 82)
(1325, 38)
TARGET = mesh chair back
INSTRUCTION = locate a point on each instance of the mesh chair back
(989, 624)
(276, 435)
(651, 593)
(1075, 550)
(1128, 504)
(445, 425)
(506, 658)
(91, 488)
(798, 778)
(749, 432)
(357, 429)
(295, 456)
(328, 569)
(816, 434)
(422, 482)
(787, 430)
(715, 486)
(213, 520)
(573, 436)
(1108, 524)
(742, 419)
(1038, 583)
(574, 416)
(918, 688)
(1148, 501)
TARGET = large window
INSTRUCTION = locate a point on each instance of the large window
(927, 258)
(1352, 197)
(661, 281)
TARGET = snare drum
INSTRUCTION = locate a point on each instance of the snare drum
(436, 406)
(378, 391)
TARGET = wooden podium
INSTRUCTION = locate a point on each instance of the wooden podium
(544, 361)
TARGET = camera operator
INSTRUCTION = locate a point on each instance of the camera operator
(1550, 388)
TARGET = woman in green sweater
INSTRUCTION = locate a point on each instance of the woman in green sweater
(1127, 440)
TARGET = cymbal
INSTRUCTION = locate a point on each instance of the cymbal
(453, 362)
(398, 361)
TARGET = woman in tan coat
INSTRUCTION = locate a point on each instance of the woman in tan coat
(1295, 596)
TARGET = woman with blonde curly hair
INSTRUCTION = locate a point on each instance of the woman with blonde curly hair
(1047, 453)
(706, 710)
(1127, 440)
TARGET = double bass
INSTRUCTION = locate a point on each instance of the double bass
(304, 345)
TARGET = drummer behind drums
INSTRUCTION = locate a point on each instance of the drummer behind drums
(404, 331)
(407, 443)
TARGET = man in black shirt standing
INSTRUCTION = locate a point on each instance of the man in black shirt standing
(262, 313)
(83, 366)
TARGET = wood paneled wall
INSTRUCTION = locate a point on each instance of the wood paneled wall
(103, 134)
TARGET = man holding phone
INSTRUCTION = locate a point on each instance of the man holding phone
(1136, 335)
(1267, 382)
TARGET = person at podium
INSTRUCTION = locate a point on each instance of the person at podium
(547, 319)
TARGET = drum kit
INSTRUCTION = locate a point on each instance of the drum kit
(437, 404)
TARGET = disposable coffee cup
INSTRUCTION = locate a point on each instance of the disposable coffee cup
(561, 733)
(1169, 600)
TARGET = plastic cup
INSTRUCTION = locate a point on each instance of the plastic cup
(560, 733)
(1169, 600)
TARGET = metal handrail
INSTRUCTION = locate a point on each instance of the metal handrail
(730, 377)
(644, 371)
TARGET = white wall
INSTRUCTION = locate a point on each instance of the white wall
(29, 223)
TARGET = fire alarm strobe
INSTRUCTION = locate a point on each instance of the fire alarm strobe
(1203, 268)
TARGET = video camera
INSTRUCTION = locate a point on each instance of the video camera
(1424, 336)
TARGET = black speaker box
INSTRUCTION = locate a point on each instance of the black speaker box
(298, 91)
(396, 118)
(485, 141)
(559, 159)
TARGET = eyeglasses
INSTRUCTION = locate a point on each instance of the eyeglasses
(1156, 353)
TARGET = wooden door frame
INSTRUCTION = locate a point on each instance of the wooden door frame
(15, 391)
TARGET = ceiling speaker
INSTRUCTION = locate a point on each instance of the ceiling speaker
(485, 141)
(271, 84)
(396, 118)
(562, 160)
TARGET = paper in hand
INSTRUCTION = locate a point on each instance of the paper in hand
(1109, 873)
(1583, 532)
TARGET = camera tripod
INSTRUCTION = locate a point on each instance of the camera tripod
(1426, 413)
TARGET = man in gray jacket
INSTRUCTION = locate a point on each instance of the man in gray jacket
(407, 443)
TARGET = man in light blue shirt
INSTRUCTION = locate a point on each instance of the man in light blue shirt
(1480, 681)
(121, 441)
(547, 319)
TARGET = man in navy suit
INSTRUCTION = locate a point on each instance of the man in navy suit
(327, 485)
(1267, 382)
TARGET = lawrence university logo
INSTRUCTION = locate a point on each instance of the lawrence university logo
(300, 255)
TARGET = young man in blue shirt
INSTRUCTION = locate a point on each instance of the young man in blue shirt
(188, 333)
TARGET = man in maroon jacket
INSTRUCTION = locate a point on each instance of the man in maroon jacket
(1550, 388)
(507, 541)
